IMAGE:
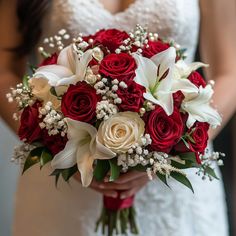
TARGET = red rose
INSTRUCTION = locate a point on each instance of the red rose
(79, 102)
(197, 79)
(165, 131)
(29, 123)
(54, 143)
(111, 38)
(199, 135)
(196, 138)
(154, 47)
(178, 98)
(49, 60)
(120, 66)
(132, 97)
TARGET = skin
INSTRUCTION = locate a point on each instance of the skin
(217, 47)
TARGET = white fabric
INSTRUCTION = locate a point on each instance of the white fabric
(43, 210)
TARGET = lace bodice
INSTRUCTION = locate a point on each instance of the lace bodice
(172, 19)
(161, 211)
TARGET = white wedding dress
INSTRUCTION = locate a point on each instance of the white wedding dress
(43, 210)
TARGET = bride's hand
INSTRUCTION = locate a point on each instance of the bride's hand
(127, 184)
(98, 186)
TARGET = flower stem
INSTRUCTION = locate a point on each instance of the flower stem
(118, 221)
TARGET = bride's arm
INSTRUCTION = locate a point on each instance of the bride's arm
(11, 66)
(218, 48)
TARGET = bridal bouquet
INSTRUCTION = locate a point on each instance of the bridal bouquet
(113, 102)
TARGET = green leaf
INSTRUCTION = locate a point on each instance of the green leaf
(176, 164)
(45, 157)
(115, 170)
(101, 169)
(32, 68)
(182, 179)
(188, 156)
(53, 91)
(25, 81)
(33, 158)
(57, 174)
(185, 142)
(57, 179)
(162, 178)
(68, 173)
(210, 172)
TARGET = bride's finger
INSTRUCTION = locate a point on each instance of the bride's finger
(123, 186)
(133, 191)
(108, 193)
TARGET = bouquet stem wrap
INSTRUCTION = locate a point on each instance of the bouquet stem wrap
(118, 215)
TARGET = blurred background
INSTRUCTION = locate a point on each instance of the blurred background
(9, 173)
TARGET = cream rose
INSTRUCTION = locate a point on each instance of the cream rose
(41, 90)
(121, 131)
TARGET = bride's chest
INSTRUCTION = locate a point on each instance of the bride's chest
(173, 19)
(168, 17)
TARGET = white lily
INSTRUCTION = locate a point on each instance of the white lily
(199, 108)
(180, 82)
(82, 148)
(68, 70)
(150, 73)
(184, 69)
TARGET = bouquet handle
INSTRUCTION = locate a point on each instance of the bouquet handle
(118, 215)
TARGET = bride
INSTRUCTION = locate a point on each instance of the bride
(41, 209)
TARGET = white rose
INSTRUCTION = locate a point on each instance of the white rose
(121, 131)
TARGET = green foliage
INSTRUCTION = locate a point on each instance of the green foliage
(45, 157)
(101, 169)
(178, 165)
(182, 179)
(114, 169)
(38, 155)
(162, 178)
(188, 156)
(53, 91)
(57, 174)
(68, 173)
(25, 81)
(210, 171)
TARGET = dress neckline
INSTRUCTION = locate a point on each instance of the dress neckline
(128, 8)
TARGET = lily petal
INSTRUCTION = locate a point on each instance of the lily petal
(53, 73)
(66, 58)
(82, 64)
(199, 108)
(185, 86)
(103, 152)
(66, 158)
(186, 69)
(146, 72)
(66, 81)
(85, 164)
(165, 60)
